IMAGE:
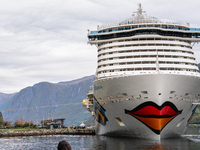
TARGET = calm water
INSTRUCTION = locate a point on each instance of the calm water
(190, 141)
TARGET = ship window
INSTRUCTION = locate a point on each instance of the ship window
(124, 94)
(152, 55)
(144, 92)
(186, 94)
(144, 56)
(129, 62)
(138, 69)
(172, 92)
(146, 68)
(159, 93)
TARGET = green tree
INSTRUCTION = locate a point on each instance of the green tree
(7, 123)
(22, 120)
(1, 121)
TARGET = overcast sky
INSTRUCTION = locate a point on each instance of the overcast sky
(46, 40)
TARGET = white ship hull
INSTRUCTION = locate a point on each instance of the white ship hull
(151, 106)
(147, 77)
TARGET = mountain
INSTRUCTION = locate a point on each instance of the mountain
(70, 94)
(5, 100)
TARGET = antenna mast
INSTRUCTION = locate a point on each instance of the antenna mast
(139, 12)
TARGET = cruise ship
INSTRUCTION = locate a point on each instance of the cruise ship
(147, 79)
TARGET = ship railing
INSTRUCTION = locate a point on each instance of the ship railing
(124, 74)
(134, 20)
(128, 28)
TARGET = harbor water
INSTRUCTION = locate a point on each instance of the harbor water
(189, 141)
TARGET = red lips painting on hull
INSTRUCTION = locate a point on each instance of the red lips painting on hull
(153, 116)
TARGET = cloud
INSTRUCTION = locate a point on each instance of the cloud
(46, 40)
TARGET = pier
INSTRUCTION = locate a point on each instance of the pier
(11, 133)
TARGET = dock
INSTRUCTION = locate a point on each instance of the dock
(11, 133)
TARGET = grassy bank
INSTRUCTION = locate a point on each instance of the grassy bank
(38, 132)
(22, 129)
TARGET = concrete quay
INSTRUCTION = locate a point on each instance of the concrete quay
(10, 133)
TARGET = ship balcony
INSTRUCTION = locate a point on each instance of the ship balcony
(134, 42)
(143, 54)
(147, 48)
(90, 96)
(148, 60)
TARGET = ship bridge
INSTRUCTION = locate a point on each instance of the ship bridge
(189, 34)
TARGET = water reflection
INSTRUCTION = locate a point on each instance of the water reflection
(110, 143)
(190, 141)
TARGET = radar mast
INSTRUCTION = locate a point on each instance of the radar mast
(139, 12)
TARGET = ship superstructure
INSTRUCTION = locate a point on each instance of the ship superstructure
(147, 80)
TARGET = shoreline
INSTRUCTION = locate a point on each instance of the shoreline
(11, 133)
